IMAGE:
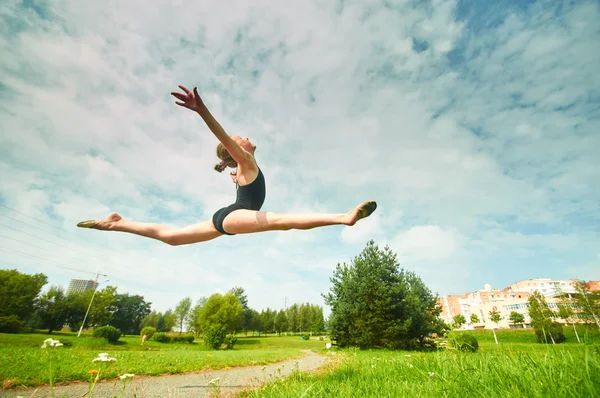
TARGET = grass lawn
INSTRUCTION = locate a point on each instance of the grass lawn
(24, 362)
(516, 367)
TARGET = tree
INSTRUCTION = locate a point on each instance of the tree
(52, 309)
(267, 320)
(516, 317)
(318, 322)
(18, 292)
(495, 317)
(221, 310)
(459, 320)
(566, 313)
(247, 315)
(541, 317)
(169, 320)
(128, 311)
(474, 318)
(280, 322)
(587, 303)
(292, 317)
(194, 326)
(374, 303)
(182, 312)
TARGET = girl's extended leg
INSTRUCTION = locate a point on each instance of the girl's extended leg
(249, 221)
(172, 236)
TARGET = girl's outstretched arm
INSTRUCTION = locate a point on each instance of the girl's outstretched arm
(192, 100)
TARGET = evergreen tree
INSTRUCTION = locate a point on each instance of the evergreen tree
(374, 303)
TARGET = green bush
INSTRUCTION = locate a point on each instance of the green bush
(110, 333)
(10, 324)
(230, 342)
(214, 337)
(161, 338)
(553, 330)
(148, 331)
(183, 339)
(464, 342)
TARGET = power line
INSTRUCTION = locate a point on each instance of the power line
(55, 243)
(27, 243)
(98, 251)
(43, 259)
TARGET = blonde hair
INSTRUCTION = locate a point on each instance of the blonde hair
(226, 159)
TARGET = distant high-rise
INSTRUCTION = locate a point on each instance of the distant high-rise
(80, 285)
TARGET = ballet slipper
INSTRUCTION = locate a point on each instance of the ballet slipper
(89, 223)
(365, 209)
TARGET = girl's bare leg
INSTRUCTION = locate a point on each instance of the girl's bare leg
(249, 221)
(172, 236)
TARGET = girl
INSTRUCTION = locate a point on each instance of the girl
(243, 216)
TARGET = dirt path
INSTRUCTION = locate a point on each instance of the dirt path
(179, 386)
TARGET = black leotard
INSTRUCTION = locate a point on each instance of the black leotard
(250, 197)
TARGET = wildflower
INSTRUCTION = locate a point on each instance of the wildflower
(104, 358)
(372, 366)
(328, 345)
(431, 373)
(93, 371)
(214, 381)
(264, 367)
(410, 365)
(407, 355)
(51, 343)
(126, 376)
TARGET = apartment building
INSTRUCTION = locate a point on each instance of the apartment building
(80, 285)
(512, 298)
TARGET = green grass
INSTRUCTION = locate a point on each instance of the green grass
(589, 333)
(24, 362)
(497, 371)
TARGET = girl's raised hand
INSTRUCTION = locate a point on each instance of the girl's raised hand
(190, 100)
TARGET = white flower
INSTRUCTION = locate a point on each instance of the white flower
(373, 366)
(407, 355)
(431, 373)
(51, 343)
(104, 358)
(328, 345)
(126, 376)
(214, 381)
(264, 367)
(410, 365)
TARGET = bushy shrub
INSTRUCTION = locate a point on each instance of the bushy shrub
(183, 339)
(230, 342)
(464, 342)
(161, 338)
(549, 332)
(148, 331)
(214, 337)
(110, 333)
(10, 324)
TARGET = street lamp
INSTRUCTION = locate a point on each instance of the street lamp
(88, 309)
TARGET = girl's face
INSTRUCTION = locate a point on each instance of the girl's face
(245, 143)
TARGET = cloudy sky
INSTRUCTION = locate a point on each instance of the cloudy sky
(474, 126)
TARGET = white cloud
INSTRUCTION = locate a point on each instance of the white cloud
(480, 149)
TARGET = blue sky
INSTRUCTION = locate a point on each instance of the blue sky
(474, 127)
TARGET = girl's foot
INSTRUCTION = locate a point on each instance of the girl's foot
(101, 224)
(364, 210)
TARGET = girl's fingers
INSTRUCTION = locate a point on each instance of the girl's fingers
(184, 89)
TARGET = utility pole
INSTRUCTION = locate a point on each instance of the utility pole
(90, 305)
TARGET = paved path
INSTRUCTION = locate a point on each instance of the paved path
(179, 386)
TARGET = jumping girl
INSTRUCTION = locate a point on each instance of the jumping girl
(243, 216)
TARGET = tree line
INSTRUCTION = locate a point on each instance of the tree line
(232, 312)
(24, 306)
